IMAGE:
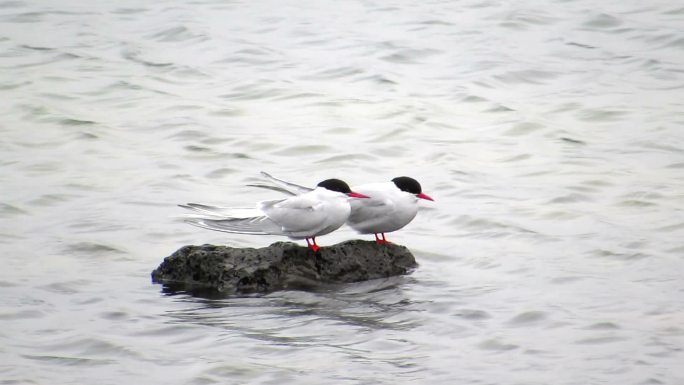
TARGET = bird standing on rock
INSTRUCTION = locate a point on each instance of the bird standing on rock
(391, 205)
(311, 213)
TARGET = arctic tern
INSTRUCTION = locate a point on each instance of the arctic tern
(305, 215)
(391, 206)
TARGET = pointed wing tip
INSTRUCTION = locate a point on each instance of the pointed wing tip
(191, 206)
(194, 222)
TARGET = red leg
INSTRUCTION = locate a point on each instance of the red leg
(313, 246)
(381, 240)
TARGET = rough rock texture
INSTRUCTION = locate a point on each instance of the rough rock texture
(280, 265)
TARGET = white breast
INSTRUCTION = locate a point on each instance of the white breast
(388, 209)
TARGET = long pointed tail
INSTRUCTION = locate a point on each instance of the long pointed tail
(222, 212)
(255, 225)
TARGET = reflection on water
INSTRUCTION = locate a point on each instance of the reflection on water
(548, 133)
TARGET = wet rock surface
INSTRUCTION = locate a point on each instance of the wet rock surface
(282, 265)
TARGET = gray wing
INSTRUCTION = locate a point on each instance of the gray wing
(297, 214)
(370, 210)
(281, 185)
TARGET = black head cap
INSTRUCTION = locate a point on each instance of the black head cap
(407, 184)
(335, 185)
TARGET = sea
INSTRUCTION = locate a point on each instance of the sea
(550, 134)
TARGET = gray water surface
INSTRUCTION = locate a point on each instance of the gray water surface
(550, 134)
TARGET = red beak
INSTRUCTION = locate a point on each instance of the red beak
(357, 195)
(425, 196)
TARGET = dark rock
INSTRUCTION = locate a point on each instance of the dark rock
(280, 265)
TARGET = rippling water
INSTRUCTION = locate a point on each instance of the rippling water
(549, 132)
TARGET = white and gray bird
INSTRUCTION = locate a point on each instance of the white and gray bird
(305, 215)
(391, 206)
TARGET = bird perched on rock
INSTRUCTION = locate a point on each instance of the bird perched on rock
(306, 215)
(391, 206)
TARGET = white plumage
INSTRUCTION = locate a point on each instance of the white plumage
(316, 212)
(388, 210)
(390, 207)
